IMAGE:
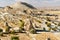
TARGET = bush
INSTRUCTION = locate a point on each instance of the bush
(49, 24)
(59, 24)
(12, 32)
(7, 28)
(55, 29)
(33, 31)
(14, 38)
(21, 23)
(48, 19)
(1, 30)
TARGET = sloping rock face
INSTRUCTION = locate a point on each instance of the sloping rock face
(22, 6)
(27, 23)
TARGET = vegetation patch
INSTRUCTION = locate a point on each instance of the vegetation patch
(14, 38)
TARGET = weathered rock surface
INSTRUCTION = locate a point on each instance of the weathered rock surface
(24, 18)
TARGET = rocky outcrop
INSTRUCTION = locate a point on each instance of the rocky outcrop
(24, 18)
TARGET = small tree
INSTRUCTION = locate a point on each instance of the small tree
(14, 38)
(21, 24)
(32, 31)
(1, 30)
(49, 24)
(59, 24)
(7, 28)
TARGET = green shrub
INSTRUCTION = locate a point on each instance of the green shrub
(33, 31)
(21, 24)
(49, 24)
(21, 30)
(1, 30)
(55, 29)
(12, 32)
(7, 28)
(59, 24)
(48, 19)
(14, 38)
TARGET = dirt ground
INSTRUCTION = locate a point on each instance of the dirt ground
(41, 36)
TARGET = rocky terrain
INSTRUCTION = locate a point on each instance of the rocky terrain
(28, 23)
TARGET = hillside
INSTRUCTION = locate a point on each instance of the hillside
(28, 23)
